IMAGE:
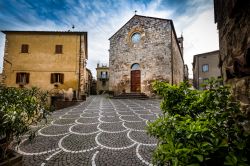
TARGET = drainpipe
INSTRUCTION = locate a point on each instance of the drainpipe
(172, 67)
(79, 75)
(198, 78)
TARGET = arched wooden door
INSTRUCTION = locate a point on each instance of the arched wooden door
(135, 78)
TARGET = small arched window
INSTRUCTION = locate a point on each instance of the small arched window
(135, 66)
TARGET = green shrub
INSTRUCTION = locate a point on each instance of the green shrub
(199, 127)
(19, 108)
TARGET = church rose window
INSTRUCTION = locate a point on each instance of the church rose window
(136, 37)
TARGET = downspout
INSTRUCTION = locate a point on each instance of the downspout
(79, 75)
(198, 78)
(172, 67)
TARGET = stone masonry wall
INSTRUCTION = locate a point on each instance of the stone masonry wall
(234, 35)
(178, 64)
(82, 65)
(152, 53)
(6, 62)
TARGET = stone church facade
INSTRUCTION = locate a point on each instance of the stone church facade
(143, 50)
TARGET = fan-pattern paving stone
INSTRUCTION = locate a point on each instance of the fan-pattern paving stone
(99, 131)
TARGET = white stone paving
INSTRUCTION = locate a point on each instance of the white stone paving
(99, 127)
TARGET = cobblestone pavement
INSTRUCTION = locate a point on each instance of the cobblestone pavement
(99, 131)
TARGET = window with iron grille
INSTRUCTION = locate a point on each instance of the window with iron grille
(57, 78)
(25, 48)
(104, 74)
(59, 49)
(22, 78)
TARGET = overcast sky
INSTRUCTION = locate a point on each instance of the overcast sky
(102, 18)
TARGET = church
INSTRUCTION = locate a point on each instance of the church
(145, 49)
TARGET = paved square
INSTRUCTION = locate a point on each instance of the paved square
(99, 131)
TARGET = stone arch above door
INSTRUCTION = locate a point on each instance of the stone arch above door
(135, 66)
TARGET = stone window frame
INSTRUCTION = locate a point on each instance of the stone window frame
(133, 34)
(205, 70)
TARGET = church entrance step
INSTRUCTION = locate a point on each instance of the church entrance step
(131, 96)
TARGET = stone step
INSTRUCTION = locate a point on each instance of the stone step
(131, 96)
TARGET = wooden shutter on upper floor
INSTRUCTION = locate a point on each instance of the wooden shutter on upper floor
(59, 49)
(24, 48)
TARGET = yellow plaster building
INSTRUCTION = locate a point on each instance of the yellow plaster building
(45, 59)
(102, 75)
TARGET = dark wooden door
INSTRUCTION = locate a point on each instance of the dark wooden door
(135, 81)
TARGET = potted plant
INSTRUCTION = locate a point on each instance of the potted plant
(19, 108)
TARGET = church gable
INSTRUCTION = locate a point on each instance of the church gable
(140, 24)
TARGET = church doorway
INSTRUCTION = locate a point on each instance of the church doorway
(135, 78)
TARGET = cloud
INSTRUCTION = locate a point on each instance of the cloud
(101, 19)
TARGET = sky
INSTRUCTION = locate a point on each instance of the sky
(193, 19)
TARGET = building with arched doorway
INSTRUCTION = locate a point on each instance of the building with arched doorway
(145, 49)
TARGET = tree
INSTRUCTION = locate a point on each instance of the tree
(19, 108)
(199, 127)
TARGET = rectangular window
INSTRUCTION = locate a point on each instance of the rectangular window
(57, 78)
(59, 49)
(205, 68)
(22, 78)
(25, 48)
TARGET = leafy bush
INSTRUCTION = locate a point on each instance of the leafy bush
(19, 108)
(199, 127)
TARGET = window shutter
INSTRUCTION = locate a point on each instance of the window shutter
(106, 74)
(58, 49)
(24, 48)
(17, 78)
(61, 78)
(52, 80)
(27, 78)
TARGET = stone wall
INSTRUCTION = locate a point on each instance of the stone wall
(178, 63)
(152, 53)
(233, 21)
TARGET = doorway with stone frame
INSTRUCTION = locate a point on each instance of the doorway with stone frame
(135, 78)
